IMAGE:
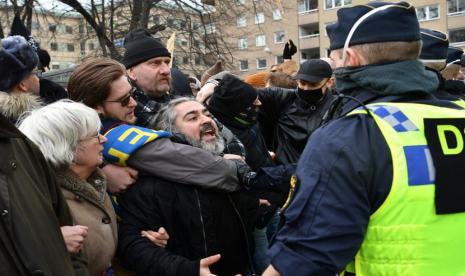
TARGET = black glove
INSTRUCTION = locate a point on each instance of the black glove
(244, 173)
(289, 50)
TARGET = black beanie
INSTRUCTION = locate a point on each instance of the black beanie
(231, 97)
(141, 46)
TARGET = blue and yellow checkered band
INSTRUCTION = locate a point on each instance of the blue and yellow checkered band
(123, 140)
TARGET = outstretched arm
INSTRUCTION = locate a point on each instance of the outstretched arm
(186, 164)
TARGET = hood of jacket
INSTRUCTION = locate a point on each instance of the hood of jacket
(12, 105)
(388, 79)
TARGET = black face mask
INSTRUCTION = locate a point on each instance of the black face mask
(310, 96)
(248, 117)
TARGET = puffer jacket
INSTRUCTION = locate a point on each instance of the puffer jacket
(90, 206)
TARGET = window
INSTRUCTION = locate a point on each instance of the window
(279, 59)
(331, 4)
(428, 12)
(210, 28)
(170, 22)
(241, 21)
(259, 18)
(242, 43)
(261, 63)
(185, 60)
(119, 43)
(307, 5)
(55, 66)
(52, 28)
(70, 47)
(199, 44)
(54, 46)
(260, 40)
(277, 14)
(243, 65)
(279, 37)
(240, 2)
(181, 42)
(35, 26)
(91, 46)
(156, 19)
(455, 6)
(457, 36)
(68, 29)
(198, 60)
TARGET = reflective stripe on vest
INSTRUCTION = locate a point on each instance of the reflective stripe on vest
(405, 236)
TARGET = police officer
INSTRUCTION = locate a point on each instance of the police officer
(380, 186)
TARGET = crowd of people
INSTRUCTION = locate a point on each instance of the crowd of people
(343, 165)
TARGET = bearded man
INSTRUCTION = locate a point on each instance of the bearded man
(201, 223)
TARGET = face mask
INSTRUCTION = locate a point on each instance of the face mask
(247, 117)
(310, 96)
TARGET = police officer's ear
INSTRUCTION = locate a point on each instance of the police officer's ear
(354, 58)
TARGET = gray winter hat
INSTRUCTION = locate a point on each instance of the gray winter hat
(17, 60)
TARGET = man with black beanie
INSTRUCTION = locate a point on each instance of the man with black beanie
(147, 62)
(235, 104)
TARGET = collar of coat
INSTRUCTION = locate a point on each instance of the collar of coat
(94, 189)
(397, 78)
(12, 105)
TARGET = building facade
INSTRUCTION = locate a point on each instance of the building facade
(259, 33)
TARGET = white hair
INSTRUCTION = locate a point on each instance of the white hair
(58, 127)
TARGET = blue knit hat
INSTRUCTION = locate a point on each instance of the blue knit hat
(454, 55)
(434, 45)
(394, 22)
(17, 60)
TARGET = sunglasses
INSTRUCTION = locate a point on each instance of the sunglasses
(125, 101)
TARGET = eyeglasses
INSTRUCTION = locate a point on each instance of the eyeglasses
(92, 137)
(37, 72)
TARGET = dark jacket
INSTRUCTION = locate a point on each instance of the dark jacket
(32, 209)
(287, 121)
(345, 173)
(200, 223)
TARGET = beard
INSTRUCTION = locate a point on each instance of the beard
(216, 147)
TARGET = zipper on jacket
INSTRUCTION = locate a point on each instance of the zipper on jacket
(252, 270)
(201, 221)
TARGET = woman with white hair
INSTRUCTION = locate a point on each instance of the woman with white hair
(67, 133)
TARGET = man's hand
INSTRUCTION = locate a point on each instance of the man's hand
(74, 237)
(205, 92)
(233, 157)
(119, 178)
(271, 271)
(289, 50)
(206, 262)
(159, 238)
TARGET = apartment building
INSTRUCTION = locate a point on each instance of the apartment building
(64, 36)
(260, 31)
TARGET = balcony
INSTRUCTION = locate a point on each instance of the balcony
(308, 11)
(309, 54)
(308, 17)
(311, 41)
(309, 35)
